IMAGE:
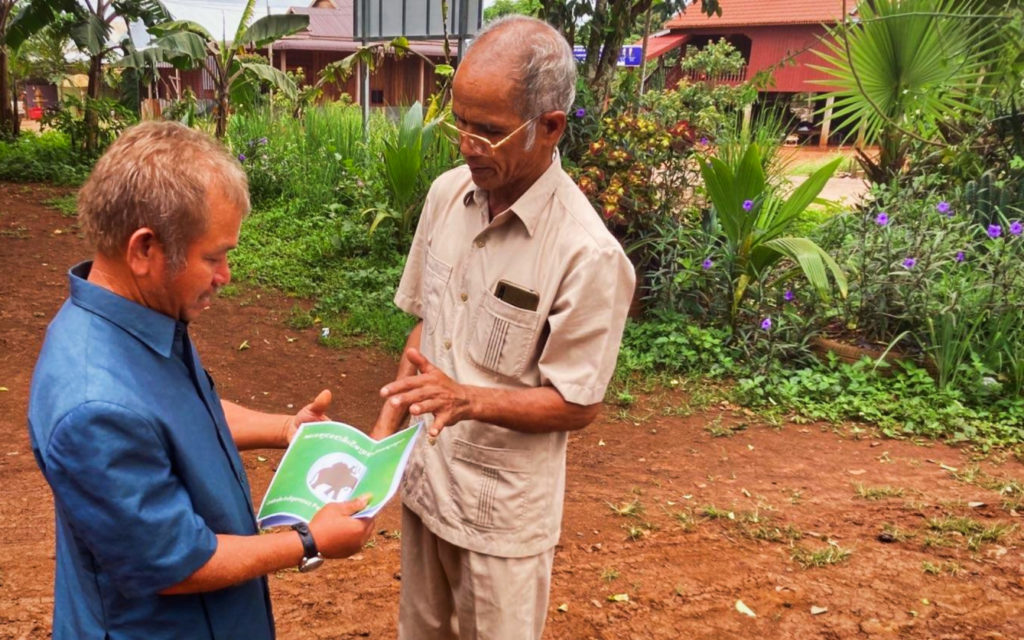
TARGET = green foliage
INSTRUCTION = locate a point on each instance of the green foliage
(905, 403)
(754, 221)
(412, 159)
(901, 69)
(46, 157)
(70, 119)
(671, 343)
(926, 271)
(187, 45)
(501, 8)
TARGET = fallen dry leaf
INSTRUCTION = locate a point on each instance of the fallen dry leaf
(744, 609)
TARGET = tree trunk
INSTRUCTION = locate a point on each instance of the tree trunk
(8, 118)
(222, 113)
(92, 116)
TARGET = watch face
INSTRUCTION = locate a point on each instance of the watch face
(309, 564)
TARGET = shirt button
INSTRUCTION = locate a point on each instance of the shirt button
(464, 296)
(480, 242)
(447, 344)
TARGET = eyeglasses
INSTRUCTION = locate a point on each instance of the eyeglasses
(478, 143)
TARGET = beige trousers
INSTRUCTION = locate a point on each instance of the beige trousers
(449, 592)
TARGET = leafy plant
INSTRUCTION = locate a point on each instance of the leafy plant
(186, 44)
(753, 220)
(901, 69)
(411, 161)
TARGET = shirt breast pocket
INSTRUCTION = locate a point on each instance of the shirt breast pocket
(503, 337)
(435, 280)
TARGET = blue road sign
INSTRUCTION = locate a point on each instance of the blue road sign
(631, 55)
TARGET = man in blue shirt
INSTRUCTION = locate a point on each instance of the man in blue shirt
(156, 534)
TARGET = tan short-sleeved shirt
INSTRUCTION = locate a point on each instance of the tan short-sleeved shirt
(486, 488)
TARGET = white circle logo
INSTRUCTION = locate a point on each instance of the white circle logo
(333, 477)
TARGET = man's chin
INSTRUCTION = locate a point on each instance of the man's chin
(482, 176)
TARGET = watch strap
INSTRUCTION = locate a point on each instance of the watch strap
(311, 556)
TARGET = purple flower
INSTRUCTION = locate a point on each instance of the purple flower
(882, 219)
(994, 231)
(241, 157)
(707, 264)
(788, 296)
(909, 263)
(581, 112)
(1015, 228)
(944, 208)
(960, 256)
(766, 324)
(748, 205)
(704, 140)
(262, 141)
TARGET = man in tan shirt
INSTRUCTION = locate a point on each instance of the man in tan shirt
(522, 294)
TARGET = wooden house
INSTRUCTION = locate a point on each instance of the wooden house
(776, 36)
(395, 82)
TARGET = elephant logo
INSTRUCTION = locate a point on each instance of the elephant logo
(333, 477)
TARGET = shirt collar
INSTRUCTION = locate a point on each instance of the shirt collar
(154, 329)
(531, 205)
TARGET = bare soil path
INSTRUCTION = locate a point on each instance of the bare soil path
(667, 527)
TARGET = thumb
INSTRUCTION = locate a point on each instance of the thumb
(418, 360)
(354, 506)
(321, 402)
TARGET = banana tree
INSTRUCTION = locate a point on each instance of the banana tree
(186, 44)
(90, 26)
(755, 220)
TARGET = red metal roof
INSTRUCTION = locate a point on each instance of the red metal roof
(747, 13)
(661, 44)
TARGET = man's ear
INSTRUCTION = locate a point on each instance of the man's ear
(551, 126)
(144, 252)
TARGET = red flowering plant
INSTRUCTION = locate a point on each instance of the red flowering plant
(637, 174)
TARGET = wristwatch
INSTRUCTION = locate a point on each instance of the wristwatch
(311, 557)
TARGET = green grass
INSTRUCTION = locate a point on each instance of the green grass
(630, 509)
(832, 554)
(878, 493)
(808, 167)
(67, 205)
(974, 534)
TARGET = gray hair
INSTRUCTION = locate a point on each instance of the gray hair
(548, 78)
(158, 175)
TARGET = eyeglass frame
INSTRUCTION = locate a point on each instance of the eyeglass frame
(489, 146)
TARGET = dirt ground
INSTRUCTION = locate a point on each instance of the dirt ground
(678, 514)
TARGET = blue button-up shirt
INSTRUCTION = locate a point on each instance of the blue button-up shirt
(129, 432)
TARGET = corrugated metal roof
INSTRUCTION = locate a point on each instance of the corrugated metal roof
(331, 30)
(746, 13)
(327, 23)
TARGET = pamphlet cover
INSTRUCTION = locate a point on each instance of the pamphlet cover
(334, 462)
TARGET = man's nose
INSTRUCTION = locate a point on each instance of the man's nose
(223, 274)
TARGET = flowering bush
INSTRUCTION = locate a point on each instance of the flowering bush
(924, 272)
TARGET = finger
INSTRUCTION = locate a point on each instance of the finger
(321, 402)
(419, 360)
(440, 422)
(354, 506)
(401, 385)
(427, 405)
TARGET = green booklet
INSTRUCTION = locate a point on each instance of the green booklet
(334, 462)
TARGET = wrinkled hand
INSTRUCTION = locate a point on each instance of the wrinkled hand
(312, 412)
(431, 391)
(336, 533)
